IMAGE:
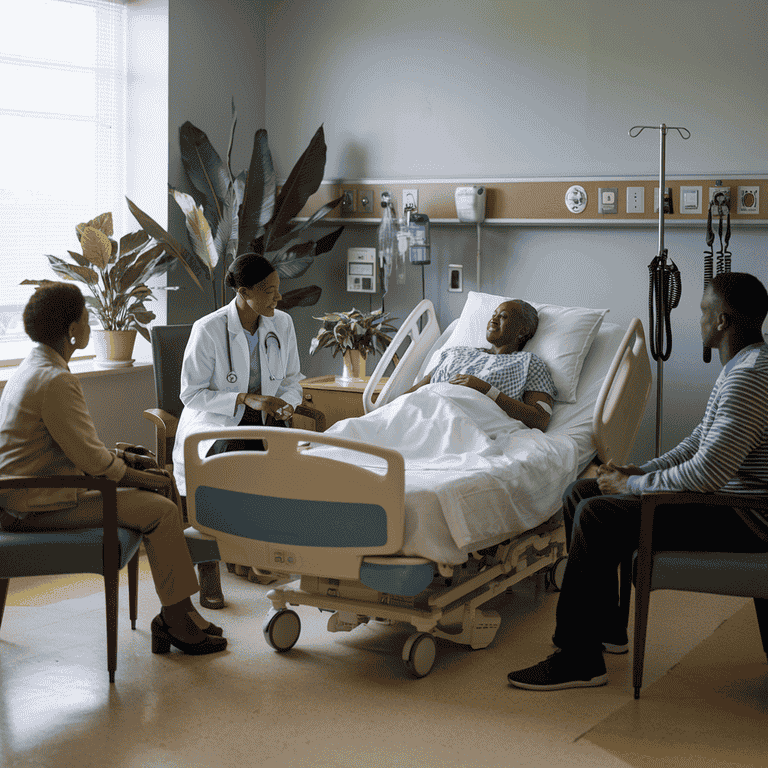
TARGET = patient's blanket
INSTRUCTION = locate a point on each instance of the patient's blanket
(490, 475)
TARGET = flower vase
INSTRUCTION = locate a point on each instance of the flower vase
(354, 365)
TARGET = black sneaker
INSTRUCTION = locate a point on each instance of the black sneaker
(561, 670)
(619, 643)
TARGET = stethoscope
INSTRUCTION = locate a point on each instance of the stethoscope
(271, 336)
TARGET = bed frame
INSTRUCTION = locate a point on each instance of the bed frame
(344, 548)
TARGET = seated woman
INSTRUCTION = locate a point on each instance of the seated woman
(517, 381)
(45, 429)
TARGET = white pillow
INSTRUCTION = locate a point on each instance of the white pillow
(562, 339)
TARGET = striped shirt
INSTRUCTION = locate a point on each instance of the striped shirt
(728, 450)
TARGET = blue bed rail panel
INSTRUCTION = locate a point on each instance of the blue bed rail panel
(291, 522)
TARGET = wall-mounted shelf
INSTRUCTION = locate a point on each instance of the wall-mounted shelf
(539, 202)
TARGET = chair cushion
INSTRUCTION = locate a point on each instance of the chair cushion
(60, 552)
(744, 574)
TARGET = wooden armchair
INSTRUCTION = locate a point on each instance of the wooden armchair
(743, 574)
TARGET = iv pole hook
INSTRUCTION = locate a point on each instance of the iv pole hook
(660, 265)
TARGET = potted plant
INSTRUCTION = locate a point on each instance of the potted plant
(354, 334)
(116, 275)
(229, 214)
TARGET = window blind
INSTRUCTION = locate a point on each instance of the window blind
(62, 124)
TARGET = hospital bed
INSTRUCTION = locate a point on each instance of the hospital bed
(367, 536)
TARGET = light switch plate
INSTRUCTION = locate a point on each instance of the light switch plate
(690, 199)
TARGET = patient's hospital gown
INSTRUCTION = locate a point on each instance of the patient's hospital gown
(513, 374)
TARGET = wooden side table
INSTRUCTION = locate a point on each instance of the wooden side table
(337, 398)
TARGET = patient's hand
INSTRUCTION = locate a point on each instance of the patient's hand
(464, 380)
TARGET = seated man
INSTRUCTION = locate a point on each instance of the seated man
(518, 382)
(728, 452)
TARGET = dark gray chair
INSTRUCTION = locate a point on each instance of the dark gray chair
(744, 574)
(103, 550)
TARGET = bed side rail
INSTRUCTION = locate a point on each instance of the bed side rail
(286, 509)
(623, 397)
(403, 376)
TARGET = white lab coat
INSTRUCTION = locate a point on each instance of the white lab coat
(209, 399)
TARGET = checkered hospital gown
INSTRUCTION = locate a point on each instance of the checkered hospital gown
(513, 374)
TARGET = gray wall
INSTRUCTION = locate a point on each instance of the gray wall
(216, 54)
(446, 89)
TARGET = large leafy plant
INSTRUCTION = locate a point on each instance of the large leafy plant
(353, 330)
(229, 214)
(115, 273)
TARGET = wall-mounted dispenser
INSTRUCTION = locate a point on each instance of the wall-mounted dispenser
(470, 203)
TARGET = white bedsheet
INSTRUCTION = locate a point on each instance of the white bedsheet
(474, 476)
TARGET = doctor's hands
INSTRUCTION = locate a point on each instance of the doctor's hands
(270, 406)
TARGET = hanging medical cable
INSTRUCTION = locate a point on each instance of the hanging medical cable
(665, 286)
(719, 201)
(387, 243)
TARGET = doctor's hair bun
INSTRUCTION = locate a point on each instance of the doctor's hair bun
(247, 270)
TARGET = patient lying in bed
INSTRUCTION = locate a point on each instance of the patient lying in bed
(464, 450)
(518, 382)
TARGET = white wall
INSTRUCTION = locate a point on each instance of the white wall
(449, 89)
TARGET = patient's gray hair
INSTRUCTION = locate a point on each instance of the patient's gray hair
(530, 320)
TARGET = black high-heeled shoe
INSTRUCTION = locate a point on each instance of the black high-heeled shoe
(213, 630)
(163, 639)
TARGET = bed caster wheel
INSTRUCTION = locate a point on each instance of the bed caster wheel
(281, 629)
(419, 654)
(556, 572)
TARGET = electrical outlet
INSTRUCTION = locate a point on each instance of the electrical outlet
(366, 201)
(749, 200)
(690, 199)
(724, 200)
(348, 201)
(410, 200)
(455, 278)
(635, 199)
(608, 200)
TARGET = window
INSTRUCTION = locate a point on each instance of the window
(62, 119)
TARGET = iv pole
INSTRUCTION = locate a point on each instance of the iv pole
(660, 267)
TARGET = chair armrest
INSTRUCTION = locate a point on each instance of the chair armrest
(165, 428)
(739, 501)
(312, 413)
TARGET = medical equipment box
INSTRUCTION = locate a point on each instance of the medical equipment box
(361, 270)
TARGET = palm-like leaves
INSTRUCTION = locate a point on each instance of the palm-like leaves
(243, 212)
(344, 331)
(115, 274)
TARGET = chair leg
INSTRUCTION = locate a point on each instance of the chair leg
(111, 595)
(133, 588)
(642, 600)
(625, 588)
(3, 595)
(761, 609)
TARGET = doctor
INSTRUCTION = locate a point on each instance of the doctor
(241, 364)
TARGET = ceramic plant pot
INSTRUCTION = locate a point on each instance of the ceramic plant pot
(354, 365)
(114, 349)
